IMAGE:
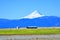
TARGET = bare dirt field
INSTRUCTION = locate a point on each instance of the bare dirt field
(30, 37)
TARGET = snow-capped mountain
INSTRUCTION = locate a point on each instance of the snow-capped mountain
(34, 14)
(34, 19)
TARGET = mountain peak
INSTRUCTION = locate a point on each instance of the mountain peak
(34, 14)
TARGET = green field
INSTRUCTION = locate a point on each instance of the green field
(41, 31)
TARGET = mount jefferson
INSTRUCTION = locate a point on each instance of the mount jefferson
(33, 19)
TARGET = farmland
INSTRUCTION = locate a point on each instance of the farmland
(42, 31)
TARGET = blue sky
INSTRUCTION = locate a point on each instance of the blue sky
(15, 9)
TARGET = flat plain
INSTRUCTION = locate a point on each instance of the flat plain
(41, 31)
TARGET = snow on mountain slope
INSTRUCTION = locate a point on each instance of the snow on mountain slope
(34, 14)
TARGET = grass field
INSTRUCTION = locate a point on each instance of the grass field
(42, 31)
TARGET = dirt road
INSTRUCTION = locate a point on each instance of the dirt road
(30, 37)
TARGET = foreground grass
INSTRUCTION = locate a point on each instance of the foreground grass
(31, 31)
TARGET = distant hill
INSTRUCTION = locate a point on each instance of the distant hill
(45, 21)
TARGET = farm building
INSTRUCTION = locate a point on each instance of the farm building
(31, 27)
